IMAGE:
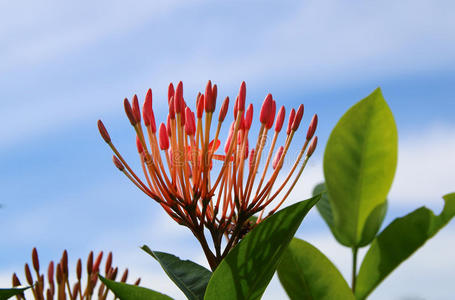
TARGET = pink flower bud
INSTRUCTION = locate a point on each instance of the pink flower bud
(224, 109)
(103, 132)
(298, 118)
(139, 145)
(209, 99)
(312, 146)
(266, 109)
(170, 92)
(280, 119)
(242, 96)
(147, 109)
(172, 108)
(277, 157)
(312, 128)
(291, 120)
(200, 107)
(178, 98)
(136, 109)
(129, 112)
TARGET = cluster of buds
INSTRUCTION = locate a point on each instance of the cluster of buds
(180, 174)
(58, 284)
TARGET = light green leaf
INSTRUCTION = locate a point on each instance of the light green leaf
(306, 273)
(397, 242)
(8, 293)
(191, 278)
(125, 291)
(359, 165)
(248, 268)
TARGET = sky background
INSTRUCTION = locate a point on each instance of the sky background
(64, 65)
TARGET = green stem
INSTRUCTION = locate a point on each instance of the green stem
(354, 267)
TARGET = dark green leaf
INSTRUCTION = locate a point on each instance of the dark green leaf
(397, 242)
(125, 291)
(248, 268)
(191, 278)
(359, 165)
(306, 273)
(8, 293)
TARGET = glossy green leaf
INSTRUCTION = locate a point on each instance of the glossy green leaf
(397, 242)
(125, 291)
(306, 273)
(191, 278)
(373, 223)
(8, 293)
(359, 165)
(248, 268)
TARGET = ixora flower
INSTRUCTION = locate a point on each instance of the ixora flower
(180, 167)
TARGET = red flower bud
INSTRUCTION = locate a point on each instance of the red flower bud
(117, 163)
(140, 149)
(136, 109)
(152, 122)
(35, 260)
(15, 280)
(266, 109)
(236, 107)
(147, 109)
(280, 119)
(170, 92)
(242, 96)
(108, 263)
(312, 128)
(178, 98)
(164, 138)
(214, 94)
(208, 97)
(79, 269)
(298, 118)
(28, 274)
(312, 146)
(277, 157)
(200, 107)
(190, 125)
(271, 116)
(172, 108)
(103, 132)
(124, 276)
(247, 149)
(129, 112)
(50, 273)
(96, 266)
(249, 117)
(223, 109)
(64, 263)
(291, 120)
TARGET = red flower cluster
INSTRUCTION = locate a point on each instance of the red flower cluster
(178, 165)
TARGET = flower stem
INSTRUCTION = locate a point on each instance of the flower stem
(354, 267)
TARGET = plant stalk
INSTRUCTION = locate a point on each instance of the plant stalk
(354, 267)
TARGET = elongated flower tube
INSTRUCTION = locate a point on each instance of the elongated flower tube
(211, 191)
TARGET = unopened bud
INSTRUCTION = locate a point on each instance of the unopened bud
(271, 116)
(164, 138)
(117, 163)
(79, 269)
(103, 132)
(15, 280)
(50, 273)
(242, 96)
(249, 117)
(124, 276)
(136, 109)
(139, 147)
(280, 119)
(312, 146)
(178, 98)
(129, 112)
(208, 97)
(172, 108)
(223, 110)
(291, 120)
(170, 92)
(108, 263)
(28, 274)
(312, 128)
(190, 124)
(64, 263)
(266, 109)
(35, 260)
(138, 281)
(298, 118)
(277, 157)
(96, 265)
(90, 263)
(200, 106)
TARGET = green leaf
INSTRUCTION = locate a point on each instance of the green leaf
(325, 210)
(306, 273)
(359, 165)
(373, 224)
(247, 270)
(125, 291)
(397, 242)
(8, 293)
(191, 278)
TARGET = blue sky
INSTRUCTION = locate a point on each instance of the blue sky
(65, 65)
